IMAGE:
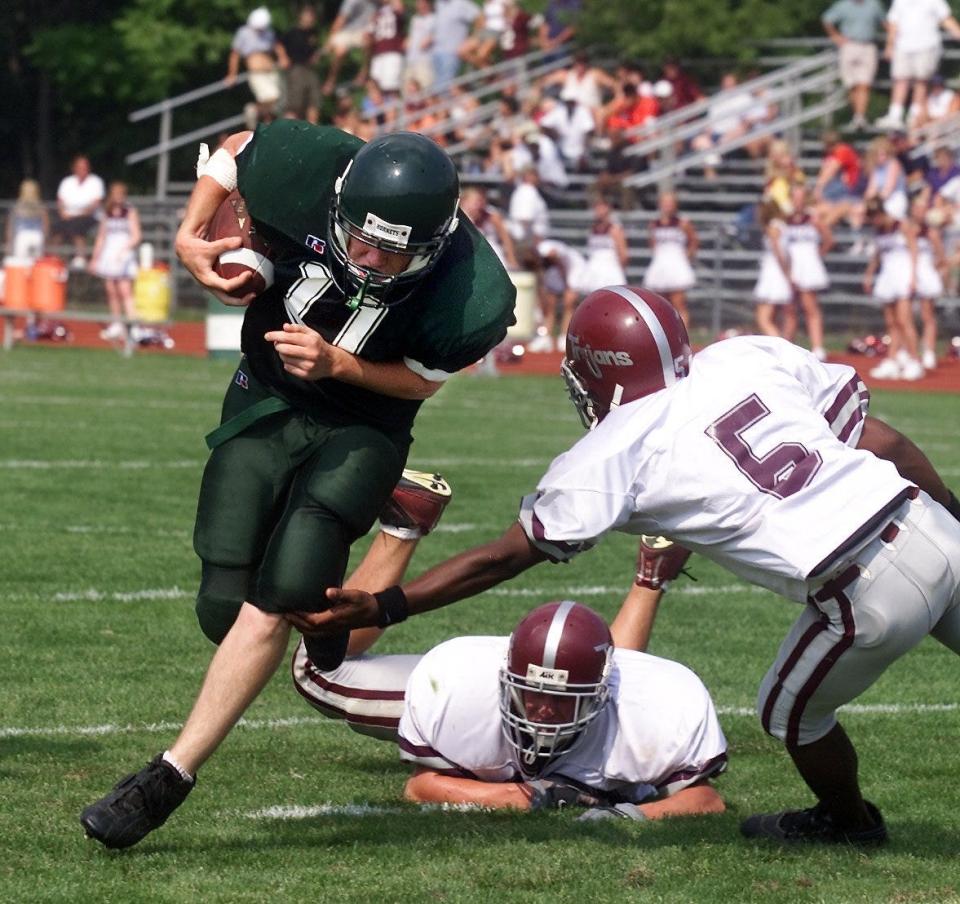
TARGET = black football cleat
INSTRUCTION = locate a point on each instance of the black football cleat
(137, 805)
(327, 653)
(813, 825)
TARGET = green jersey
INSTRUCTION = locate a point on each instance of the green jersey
(460, 311)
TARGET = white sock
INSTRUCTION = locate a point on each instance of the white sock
(186, 776)
(896, 112)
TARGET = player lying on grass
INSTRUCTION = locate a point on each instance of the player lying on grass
(763, 459)
(552, 716)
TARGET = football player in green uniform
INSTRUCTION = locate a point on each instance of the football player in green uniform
(381, 292)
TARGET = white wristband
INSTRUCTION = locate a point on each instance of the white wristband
(221, 166)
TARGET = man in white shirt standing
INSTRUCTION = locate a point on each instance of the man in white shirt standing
(914, 45)
(79, 197)
(763, 459)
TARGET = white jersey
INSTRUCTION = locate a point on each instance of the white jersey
(750, 460)
(659, 728)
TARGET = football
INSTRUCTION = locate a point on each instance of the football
(254, 254)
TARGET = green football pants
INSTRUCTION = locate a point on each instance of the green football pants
(280, 504)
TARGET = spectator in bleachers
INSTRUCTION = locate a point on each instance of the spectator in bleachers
(583, 84)
(559, 23)
(914, 45)
(931, 264)
(257, 45)
(773, 291)
(28, 225)
(760, 112)
(490, 222)
(913, 163)
(419, 40)
(114, 258)
(528, 217)
(629, 109)
(780, 174)
(348, 32)
(885, 178)
(684, 88)
(944, 170)
(618, 166)
(674, 243)
(379, 109)
(487, 36)
(725, 121)
(533, 148)
(453, 23)
(302, 46)
(570, 124)
(385, 39)
(79, 197)
(895, 255)
(852, 25)
(807, 239)
(347, 117)
(521, 28)
(941, 103)
(839, 185)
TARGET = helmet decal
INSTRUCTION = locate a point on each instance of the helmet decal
(394, 233)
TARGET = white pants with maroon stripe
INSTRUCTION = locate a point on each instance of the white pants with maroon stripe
(857, 624)
(366, 691)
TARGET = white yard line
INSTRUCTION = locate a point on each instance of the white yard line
(11, 731)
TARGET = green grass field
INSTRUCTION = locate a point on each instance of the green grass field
(100, 657)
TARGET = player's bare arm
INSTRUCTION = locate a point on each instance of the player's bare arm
(306, 354)
(883, 441)
(466, 574)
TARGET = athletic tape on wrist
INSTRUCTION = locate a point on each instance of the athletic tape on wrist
(393, 606)
(221, 166)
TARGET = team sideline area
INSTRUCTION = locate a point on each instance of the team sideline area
(101, 653)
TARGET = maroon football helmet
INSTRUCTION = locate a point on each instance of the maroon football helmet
(622, 344)
(555, 681)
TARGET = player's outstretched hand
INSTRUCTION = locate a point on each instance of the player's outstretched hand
(546, 794)
(199, 256)
(303, 351)
(348, 609)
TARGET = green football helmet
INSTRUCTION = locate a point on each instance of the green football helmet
(399, 193)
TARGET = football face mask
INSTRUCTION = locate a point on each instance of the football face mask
(399, 195)
(554, 683)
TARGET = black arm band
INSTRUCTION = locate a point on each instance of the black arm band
(393, 607)
(953, 506)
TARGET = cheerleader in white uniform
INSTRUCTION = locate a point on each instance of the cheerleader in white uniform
(606, 250)
(930, 262)
(896, 258)
(562, 275)
(674, 243)
(114, 257)
(807, 239)
(774, 291)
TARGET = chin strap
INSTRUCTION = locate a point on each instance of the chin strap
(356, 300)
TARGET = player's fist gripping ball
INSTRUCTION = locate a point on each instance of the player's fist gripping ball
(254, 254)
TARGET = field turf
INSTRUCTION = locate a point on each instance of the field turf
(100, 657)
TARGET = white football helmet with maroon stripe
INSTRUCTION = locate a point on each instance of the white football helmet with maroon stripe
(555, 681)
(622, 344)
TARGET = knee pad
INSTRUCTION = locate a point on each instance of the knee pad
(222, 592)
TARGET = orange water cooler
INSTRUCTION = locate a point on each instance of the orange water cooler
(49, 291)
(18, 280)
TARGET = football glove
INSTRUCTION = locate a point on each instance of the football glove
(659, 561)
(415, 506)
(550, 795)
